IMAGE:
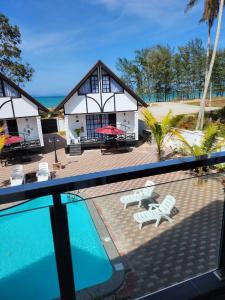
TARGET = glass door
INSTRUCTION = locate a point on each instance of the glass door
(97, 121)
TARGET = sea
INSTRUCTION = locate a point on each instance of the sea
(49, 101)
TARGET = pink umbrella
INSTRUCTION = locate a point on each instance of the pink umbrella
(13, 139)
(109, 130)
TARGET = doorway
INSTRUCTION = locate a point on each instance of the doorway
(96, 121)
(12, 127)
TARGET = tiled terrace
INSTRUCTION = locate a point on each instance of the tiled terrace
(157, 257)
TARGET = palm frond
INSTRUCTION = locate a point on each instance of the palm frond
(218, 146)
(176, 120)
(197, 151)
(209, 138)
(166, 122)
(148, 117)
(190, 5)
(180, 137)
(2, 141)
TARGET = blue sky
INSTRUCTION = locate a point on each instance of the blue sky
(62, 39)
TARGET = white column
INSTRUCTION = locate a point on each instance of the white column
(136, 124)
(66, 119)
(40, 134)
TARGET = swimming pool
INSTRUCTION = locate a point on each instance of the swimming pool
(27, 261)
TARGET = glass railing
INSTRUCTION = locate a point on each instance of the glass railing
(127, 232)
(165, 233)
(27, 264)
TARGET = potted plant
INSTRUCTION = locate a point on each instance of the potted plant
(77, 131)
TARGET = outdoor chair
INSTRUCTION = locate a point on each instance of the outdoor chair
(156, 212)
(17, 169)
(16, 179)
(139, 195)
(43, 172)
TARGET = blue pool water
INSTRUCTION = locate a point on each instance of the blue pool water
(27, 261)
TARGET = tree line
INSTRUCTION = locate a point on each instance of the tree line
(161, 73)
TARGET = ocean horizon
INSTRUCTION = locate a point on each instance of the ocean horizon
(49, 101)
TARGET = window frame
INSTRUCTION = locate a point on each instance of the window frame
(94, 78)
(109, 83)
(4, 94)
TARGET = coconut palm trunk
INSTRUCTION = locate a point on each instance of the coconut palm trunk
(200, 120)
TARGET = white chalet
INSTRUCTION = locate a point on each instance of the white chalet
(99, 99)
(20, 113)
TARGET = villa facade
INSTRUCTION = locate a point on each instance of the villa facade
(100, 99)
(20, 113)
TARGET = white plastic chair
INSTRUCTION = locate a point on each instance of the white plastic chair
(17, 169)
(16, 179)
(156, 212)
(43, 172)
(139, 195)
(43, 166)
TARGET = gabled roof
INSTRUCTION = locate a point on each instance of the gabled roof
(21, 91)
(113, 75)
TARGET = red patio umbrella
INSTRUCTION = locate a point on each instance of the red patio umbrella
(109, 130)
(13, 139)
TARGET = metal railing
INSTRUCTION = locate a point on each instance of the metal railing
(98, 139)
(58, 212)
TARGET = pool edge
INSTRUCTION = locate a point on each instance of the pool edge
(105, 288)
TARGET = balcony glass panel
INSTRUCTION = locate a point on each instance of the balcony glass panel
(185, 242)
(27, 258)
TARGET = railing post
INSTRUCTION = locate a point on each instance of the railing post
(60, 230)
(221, 270)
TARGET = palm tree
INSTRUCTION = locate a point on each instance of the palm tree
(208, 144)
(160, 129)
(2, 138)
(212, 9)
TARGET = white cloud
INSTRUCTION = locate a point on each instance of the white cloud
(47, 41)
(162, 12)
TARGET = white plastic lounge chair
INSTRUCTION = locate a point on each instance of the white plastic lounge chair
(43, 172)
(42, 176)
(156, 212)
(138, 195)
(17, 169)
(43, 166)
(16, 179)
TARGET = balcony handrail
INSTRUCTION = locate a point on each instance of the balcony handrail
(61, 185)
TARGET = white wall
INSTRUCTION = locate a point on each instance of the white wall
(109, 105)
(193, 138)
(77, 103)
(39, 127)
(130, 119)
(24, 107)
(66, 119)
(72, 122)
(61, 124)
(6, 109)
(29, 128)
(125, 102)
